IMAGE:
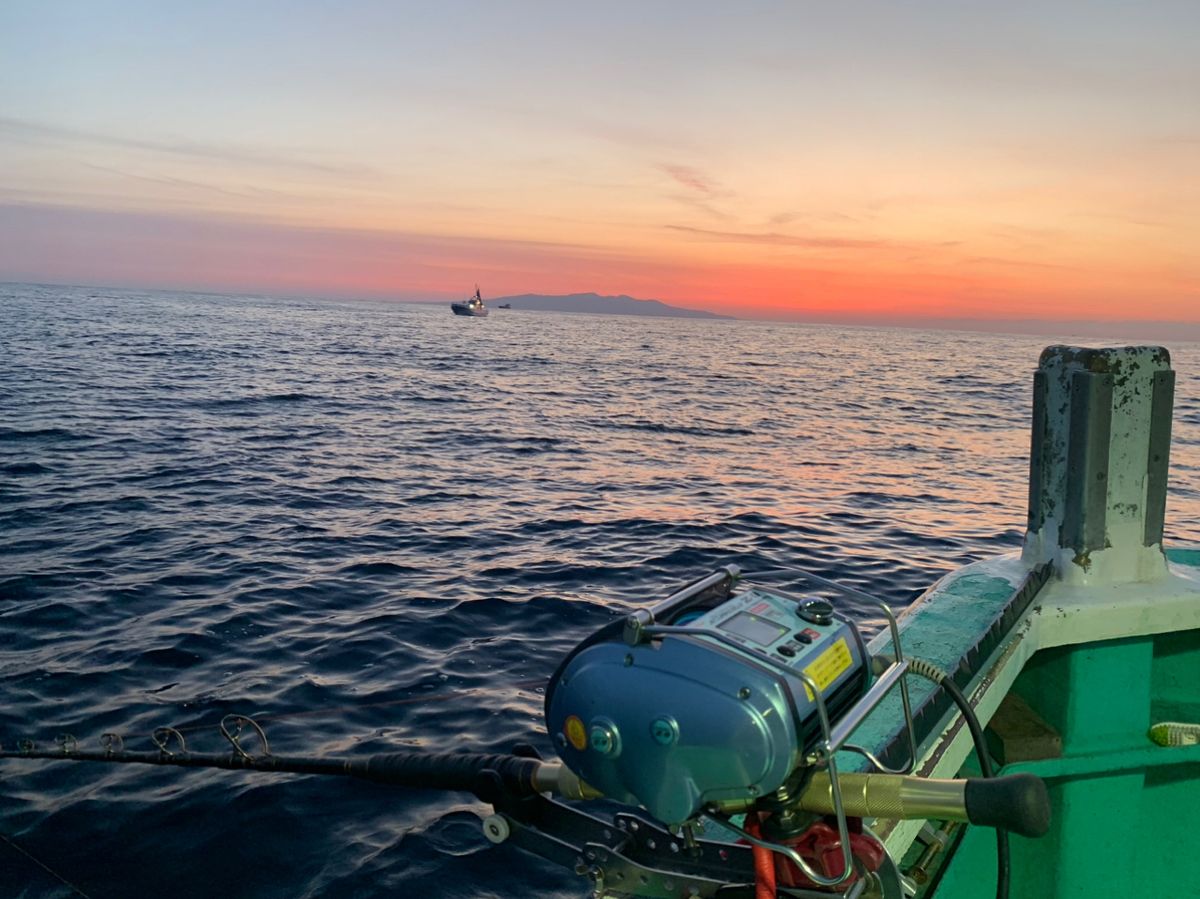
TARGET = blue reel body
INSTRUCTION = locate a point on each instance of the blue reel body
(701, 702)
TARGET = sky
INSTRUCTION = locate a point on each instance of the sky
(859, 161)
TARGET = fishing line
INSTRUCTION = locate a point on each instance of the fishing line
(410, 700)
(41, 864)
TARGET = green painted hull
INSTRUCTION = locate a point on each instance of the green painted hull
(1126, 811)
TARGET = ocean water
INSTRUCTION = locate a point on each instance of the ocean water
(374, 525)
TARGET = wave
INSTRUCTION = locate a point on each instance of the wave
(205, 510)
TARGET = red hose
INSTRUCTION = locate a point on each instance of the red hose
(764, 862)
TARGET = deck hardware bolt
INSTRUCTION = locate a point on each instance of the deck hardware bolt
(496, 828)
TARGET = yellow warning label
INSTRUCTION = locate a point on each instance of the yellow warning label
(575, 732)
(829, 665)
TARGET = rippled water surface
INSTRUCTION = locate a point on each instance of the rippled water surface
(376, 525)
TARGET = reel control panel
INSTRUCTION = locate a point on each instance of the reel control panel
(801, 634)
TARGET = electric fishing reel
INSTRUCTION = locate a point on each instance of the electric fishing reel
(718, 702)
(708, 700)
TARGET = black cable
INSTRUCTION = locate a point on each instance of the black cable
(1003, 857)
(932, 672)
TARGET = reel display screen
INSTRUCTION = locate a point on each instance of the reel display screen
(758, 630)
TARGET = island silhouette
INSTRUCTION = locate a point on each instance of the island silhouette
(600, 305)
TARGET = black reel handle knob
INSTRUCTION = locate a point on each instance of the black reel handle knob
(1015, 802)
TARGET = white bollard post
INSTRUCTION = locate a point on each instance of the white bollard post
(1098, 463)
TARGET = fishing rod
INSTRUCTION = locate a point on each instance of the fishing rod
(478, 773)
(522, 774)
(715, 705)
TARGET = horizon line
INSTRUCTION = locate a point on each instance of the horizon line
(1025, 327)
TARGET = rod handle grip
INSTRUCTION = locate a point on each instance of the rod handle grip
(1015, 802)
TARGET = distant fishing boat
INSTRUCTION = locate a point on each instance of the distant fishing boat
(504, 306)
(474, 306)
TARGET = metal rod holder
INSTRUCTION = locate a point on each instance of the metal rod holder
(835, 741)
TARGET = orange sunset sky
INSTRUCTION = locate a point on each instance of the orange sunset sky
(853, 162)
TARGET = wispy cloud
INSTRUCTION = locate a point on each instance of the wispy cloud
(243, 232)
(1186, 140)
(787, 218)
(41, 132)
(188, 184)
(64, 244)
(772, 238)
(702, 205)
(702, 192)
(690, 178)
(1017, 263)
